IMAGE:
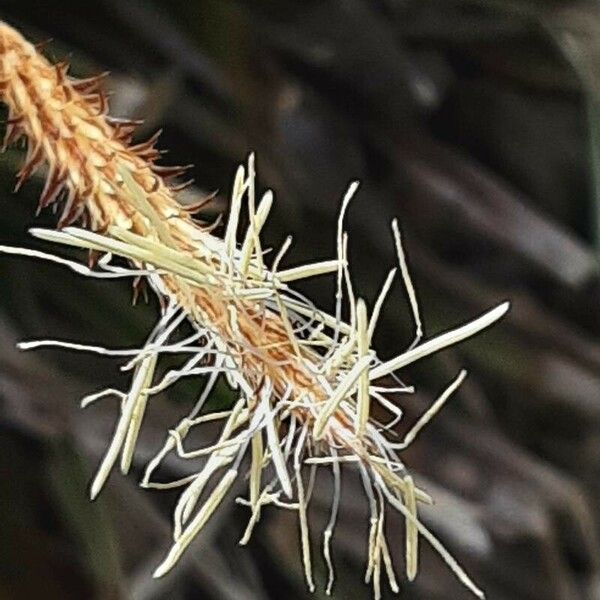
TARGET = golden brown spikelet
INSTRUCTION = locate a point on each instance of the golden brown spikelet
(304, 379)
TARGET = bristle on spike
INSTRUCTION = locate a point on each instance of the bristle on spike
(90, 84)
(171, 172)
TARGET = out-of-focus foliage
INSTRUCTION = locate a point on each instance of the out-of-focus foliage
(477, 124)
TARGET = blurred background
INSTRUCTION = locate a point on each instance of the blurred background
(477, 124)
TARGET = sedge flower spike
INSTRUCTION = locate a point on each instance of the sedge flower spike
(304, 381)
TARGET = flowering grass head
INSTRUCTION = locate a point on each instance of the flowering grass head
(304, 381)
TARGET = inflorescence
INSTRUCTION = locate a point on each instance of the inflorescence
(304, 380)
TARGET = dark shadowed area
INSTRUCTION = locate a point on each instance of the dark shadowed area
(477, 124)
